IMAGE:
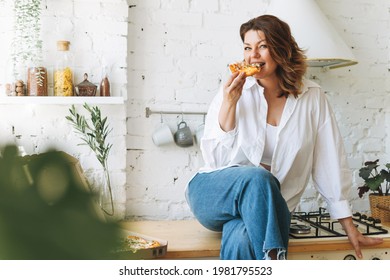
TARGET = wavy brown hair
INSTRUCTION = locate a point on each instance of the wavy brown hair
(283, 49)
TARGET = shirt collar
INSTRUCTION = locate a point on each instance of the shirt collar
(307, 84)
(250, 82)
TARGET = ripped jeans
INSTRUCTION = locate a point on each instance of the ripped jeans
(244, 203)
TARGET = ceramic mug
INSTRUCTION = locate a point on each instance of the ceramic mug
(199, 134)
(162, 135)
(183, 135)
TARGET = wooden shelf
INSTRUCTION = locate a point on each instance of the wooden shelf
(58, 100)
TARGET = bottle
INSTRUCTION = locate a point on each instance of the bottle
(105, 85)
(63, 74)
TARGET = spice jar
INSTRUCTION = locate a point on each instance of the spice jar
(63, 74)
(37, 81)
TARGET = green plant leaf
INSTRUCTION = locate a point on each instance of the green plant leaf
(386, 175)
(375, 182)
(365, 172)
(95, 134)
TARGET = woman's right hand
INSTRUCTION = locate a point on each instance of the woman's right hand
(232, 91)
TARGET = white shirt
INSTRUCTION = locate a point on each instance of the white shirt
(308, 143)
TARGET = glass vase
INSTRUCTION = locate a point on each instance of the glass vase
(105, 194)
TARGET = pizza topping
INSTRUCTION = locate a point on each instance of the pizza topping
(249, 69)
(135, 243)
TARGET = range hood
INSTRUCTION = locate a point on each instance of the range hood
(313, 33)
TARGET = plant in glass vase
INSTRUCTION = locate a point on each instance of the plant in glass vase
(94, 134)
(378, 183)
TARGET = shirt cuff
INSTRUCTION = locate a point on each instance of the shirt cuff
(339, 209)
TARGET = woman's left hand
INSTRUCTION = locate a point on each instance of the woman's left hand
(356, 238)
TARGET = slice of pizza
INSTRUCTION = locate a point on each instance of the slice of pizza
(249, 69)
(135, 243)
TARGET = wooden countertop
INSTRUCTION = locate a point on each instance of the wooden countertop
(189, 239)
(186, 238)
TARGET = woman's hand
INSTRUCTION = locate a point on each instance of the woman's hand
(356, 238)
(232, 91)
(233, 88)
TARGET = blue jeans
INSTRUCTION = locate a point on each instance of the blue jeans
(244, 203)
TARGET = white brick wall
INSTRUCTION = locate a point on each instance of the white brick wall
(172, 55)
(178, 51)
(97, 31)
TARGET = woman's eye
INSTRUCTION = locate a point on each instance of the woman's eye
(247, 49)
(263, 46)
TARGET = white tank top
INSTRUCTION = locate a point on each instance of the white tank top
(269, 146)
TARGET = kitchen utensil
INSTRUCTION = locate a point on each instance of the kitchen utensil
(162, 135)
(183, 135)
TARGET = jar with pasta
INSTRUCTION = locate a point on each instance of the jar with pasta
(63, 73)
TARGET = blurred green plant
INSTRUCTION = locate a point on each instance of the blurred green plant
(46, 212)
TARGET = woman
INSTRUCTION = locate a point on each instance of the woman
(264, 137)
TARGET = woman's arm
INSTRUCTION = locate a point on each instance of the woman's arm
(232, 91)
(220, 133)
(356, 238)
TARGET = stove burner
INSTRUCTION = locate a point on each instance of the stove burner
(300, 229)
(325, 217)
(319, 224)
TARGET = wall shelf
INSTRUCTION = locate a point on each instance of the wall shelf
(58, 100)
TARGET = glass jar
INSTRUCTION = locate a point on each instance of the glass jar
(37, 81)
(63, 73)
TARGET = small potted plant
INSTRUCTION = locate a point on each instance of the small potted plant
(378, 182)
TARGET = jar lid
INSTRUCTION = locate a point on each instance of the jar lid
(86, 83)
(63, 45)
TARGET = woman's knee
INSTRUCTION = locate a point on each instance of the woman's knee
(260, 178)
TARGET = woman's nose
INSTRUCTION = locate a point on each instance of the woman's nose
(255, 53)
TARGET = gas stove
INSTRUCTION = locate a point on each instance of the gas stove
(314, 235)
(319, 225)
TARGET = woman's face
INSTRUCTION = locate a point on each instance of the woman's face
(256, 51)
